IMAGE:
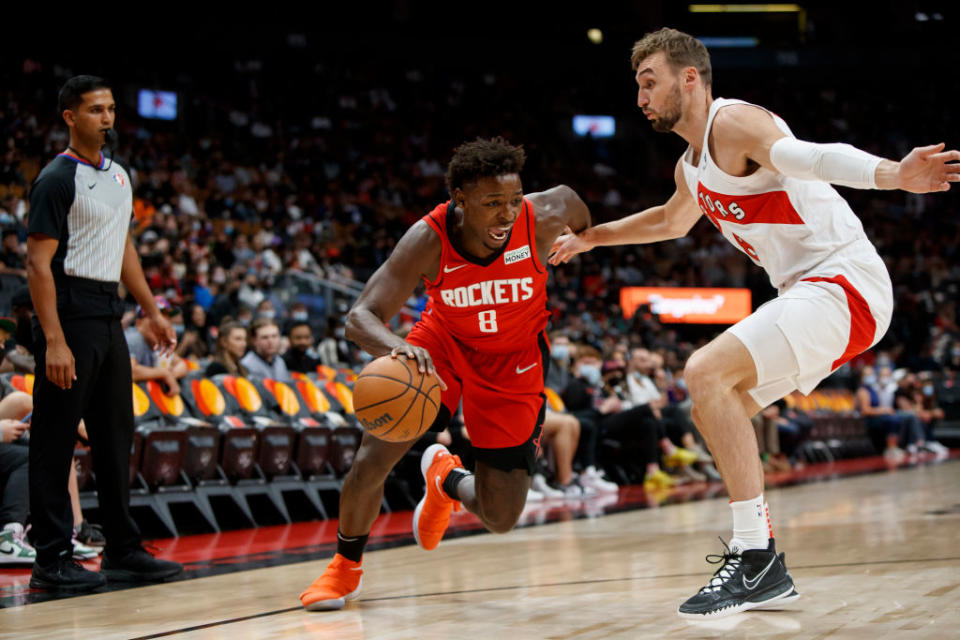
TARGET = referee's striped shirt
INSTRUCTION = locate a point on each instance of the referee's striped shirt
(88, 209)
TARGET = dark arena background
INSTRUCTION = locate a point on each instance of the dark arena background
(276, 164)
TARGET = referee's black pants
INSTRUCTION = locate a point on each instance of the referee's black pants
(102, 396)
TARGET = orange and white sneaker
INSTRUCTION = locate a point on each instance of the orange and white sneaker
(339, 583)
(432, 515)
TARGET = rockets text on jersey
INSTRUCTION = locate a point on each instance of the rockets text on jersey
(497, 304)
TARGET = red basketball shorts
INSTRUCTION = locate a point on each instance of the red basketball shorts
(502, 393)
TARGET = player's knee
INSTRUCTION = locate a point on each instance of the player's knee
(699, 374)
(368, 469)
(501, 519)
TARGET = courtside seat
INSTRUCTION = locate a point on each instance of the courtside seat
(274, 441)
(837, 431)
(237, 441)
(341, 398)
(145, 411)
(275, 453)
(344, 443)
(83, 462)
(554, 401)
(326, 373)
(171, 407)
(282, 401)
(346, 375)
(163, 454)
(17, 382)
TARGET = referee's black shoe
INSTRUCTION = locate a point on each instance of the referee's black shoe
(751, 579)
(64, 574)
(136, 565)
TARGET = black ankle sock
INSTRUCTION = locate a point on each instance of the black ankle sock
(452, 480)
(351, 548)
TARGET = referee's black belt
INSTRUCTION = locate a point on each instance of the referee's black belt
(82, 298)
(85, 284)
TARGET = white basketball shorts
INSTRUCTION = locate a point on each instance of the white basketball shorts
(813, 327)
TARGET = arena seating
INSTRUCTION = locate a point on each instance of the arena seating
(233, 438)
(837, 432)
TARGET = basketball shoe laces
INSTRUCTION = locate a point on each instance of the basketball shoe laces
(729, 564)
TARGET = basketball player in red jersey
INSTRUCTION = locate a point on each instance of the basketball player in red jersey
(770, 195)
(483, 334)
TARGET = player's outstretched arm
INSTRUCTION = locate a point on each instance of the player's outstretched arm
(668, 221)
(417, 255)
(923, 170)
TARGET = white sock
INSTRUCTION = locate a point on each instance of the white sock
(751, 524)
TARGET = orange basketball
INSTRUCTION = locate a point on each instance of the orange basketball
(394, 401)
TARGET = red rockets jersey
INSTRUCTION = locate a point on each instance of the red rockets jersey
(496, 305)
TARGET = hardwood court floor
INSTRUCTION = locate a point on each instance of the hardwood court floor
(874, 556)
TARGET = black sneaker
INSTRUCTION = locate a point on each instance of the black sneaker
(751, 579)
(137, 566)
(65, 575)
(90, 535)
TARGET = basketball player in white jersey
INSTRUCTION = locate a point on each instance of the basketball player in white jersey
(769, 194)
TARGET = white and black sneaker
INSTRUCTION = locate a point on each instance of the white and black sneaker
(750, 579)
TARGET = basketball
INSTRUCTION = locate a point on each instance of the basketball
(394, 401)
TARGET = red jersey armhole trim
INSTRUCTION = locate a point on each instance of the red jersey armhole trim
(532, 235)
(438, 228)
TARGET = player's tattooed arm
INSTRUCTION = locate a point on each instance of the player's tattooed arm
(416, 256)
(668, 221)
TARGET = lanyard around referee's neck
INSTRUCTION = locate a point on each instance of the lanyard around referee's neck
(95, 165)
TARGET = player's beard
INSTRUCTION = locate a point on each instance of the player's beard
(671, 112)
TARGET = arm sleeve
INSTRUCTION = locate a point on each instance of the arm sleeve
(835, 163)
(50, 201)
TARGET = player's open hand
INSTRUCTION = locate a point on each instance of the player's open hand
(567, 246)
(929, 169)
(159, 334)
(422, 356)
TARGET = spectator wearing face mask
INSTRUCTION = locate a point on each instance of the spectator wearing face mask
(887, 428)
(298, 314)
(915, 400)
(266, 310)
(300, 356)
(333, 351)
(245, 316)
(930, 413)
(602, 415)
(560, 357)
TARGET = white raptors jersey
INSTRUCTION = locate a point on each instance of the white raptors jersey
(786, 225)
(808, 240)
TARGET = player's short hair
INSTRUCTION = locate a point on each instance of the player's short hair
(483, 158)
(681, 49)
(71, 93)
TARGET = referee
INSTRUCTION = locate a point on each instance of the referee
(78, 251)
